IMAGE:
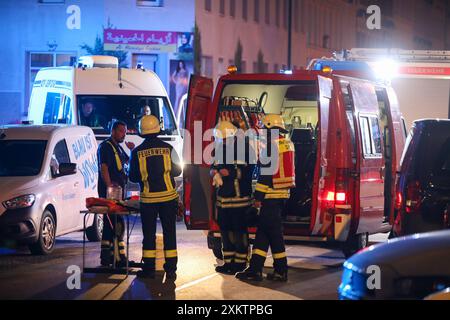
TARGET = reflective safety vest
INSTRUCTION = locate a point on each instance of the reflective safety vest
(116, 155)
(154, 164)
(277, 185)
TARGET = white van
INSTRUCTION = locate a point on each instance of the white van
(46, 174)
(97, 92)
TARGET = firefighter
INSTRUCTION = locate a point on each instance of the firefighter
(276, 177)
(153, 165)
(112, 162)
(232, 177)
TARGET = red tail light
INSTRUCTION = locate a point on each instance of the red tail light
(341, 197)
(341, 186)
(398, 200)
(413, 197)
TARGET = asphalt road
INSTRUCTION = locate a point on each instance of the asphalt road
(314, 273)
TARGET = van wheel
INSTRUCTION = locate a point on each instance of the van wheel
(47, 232)
(217, 248)
(95, 231)
(354, 244)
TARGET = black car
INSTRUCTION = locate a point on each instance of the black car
(423, 182)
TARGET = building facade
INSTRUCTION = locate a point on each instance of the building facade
(319, 27)
(47, 33)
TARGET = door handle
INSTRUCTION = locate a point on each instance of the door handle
(76, 184)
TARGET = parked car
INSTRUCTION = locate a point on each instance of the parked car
(423, 182)
(46, 173)
(412, 267)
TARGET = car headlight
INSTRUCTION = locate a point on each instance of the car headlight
(20, 202)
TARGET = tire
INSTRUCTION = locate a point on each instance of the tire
(95, 231)
(47, 234)
(354, 244)
(217, 248)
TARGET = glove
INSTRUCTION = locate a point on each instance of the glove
(217, 180)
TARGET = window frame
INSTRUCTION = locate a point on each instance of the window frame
(30, 69)
(373, 152)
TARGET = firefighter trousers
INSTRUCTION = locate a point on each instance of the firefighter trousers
(113, 224)
(167, 212)
(269, 234)
(233, 230)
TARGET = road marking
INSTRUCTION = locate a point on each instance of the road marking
(119, 291)
(195, 282)
(97, 292)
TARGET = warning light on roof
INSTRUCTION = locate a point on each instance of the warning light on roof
(232, 69)
(327, 69)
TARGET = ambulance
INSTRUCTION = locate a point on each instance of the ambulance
(96, 92)
(420, 78)
(348, 137)
(46, 173)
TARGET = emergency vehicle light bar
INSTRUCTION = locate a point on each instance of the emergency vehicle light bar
(401, 55)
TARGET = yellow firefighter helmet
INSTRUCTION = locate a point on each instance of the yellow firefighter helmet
(149, 125)
(274, 121)
(224, 129)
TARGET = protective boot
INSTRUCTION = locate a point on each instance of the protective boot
(249, 274)
(227, 268)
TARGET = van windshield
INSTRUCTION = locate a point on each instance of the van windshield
(100, 111)
(21, 157)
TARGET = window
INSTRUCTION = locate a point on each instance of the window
(100, 111)
(256, 11)
(208, 5)
(21, 158)
(276, 68)
(245, 10)
(51, 1)
(60, 155)
(233, 8)
(222, 7)
(370, 136)
(150, 3)
(39, 60)
(207, 65)
(57, 109)
(267, 12)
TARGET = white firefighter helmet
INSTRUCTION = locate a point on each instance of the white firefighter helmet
(224, 129)
(149, 125)
(274, 121)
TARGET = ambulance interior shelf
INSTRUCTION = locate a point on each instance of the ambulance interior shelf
(246, 113)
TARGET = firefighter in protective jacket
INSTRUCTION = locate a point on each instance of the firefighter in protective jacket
(154, 164)
(277, 176)
(232, 177)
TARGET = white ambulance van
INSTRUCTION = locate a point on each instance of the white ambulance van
(97, 92)
(46, 173)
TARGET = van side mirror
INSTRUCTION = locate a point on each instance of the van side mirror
(67, 169)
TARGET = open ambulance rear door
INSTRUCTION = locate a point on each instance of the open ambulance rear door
(200, 117)
(370, 162)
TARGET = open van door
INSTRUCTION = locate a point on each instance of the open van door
(196, 180)
(320, 221)
(369, 191)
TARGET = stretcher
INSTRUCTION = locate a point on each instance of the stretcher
(111, 209)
